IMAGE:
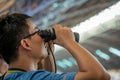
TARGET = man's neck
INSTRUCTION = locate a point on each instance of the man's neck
(24, 64)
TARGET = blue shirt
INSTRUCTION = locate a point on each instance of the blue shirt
(40, 75)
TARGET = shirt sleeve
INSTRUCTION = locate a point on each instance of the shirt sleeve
(40, 75)
(44, 75)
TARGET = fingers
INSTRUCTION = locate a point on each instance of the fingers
(63, 34)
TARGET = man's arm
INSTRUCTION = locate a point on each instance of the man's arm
(90, 68)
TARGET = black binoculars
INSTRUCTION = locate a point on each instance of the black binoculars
(49, 34)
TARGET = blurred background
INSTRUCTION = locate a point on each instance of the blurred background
(97, 22)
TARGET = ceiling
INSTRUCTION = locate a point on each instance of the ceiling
(46, 13)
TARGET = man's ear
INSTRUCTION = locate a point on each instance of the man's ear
(25, 43)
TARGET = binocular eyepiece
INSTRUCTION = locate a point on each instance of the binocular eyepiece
(49, 34)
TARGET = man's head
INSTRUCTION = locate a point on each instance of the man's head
(13, 27)
(18, 36)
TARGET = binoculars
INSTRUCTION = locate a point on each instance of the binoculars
(49, 34)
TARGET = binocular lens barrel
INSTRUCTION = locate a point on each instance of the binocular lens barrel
(49, 35)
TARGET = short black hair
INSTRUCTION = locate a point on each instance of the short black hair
(13, 27)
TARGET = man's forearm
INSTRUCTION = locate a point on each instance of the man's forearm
(49, 63)
(87, 64)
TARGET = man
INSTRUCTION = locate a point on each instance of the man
(22, 48)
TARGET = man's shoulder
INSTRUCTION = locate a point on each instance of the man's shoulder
(40, 75)
(25, 75)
